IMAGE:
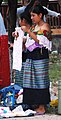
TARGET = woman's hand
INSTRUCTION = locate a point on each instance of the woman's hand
(32, 35)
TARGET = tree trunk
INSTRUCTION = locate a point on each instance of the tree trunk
(12, 18)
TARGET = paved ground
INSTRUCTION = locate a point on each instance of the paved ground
(39, 117)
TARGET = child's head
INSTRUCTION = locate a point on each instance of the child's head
(25, 18)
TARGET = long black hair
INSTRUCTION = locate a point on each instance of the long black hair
(28, 7)
(38, 8)
(44, 2)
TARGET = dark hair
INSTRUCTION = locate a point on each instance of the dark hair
(37, 8)
(28, 7)
(26, 16)
(44, 2)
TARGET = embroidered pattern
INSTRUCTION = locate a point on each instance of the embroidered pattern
(42, 32)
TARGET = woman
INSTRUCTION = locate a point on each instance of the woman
(36, 79)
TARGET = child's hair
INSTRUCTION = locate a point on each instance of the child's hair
(37, 8)
(27, 17)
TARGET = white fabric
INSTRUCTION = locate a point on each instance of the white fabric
(51, 12)
(44, 42)
(18, 111)
(5, 112)
(2, 26)
(17, 50)
(29, 42)
(20, 10)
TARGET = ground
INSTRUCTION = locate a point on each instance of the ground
(40, 117)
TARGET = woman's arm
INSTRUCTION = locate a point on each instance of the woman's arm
(32, 35)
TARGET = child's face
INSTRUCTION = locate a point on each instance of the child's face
(22, 22)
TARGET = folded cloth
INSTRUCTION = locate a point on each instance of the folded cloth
(17, 50)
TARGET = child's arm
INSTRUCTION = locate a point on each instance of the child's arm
(15, 34)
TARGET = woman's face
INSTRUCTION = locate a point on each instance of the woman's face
(35, 17)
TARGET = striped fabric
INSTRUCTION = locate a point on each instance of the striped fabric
(36, 74)
(19, 76)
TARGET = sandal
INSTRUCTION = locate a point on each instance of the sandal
(39, 113)
(40, 110)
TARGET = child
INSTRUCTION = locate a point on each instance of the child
(19, 56)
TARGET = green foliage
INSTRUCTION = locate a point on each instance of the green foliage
(5, 0)
(55, 67)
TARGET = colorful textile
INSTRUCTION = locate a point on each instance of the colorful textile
(44, 40)
(36, 74)
(19, 75)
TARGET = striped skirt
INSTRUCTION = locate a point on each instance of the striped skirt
(19, 76)
(36, 82)
(36, 74)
